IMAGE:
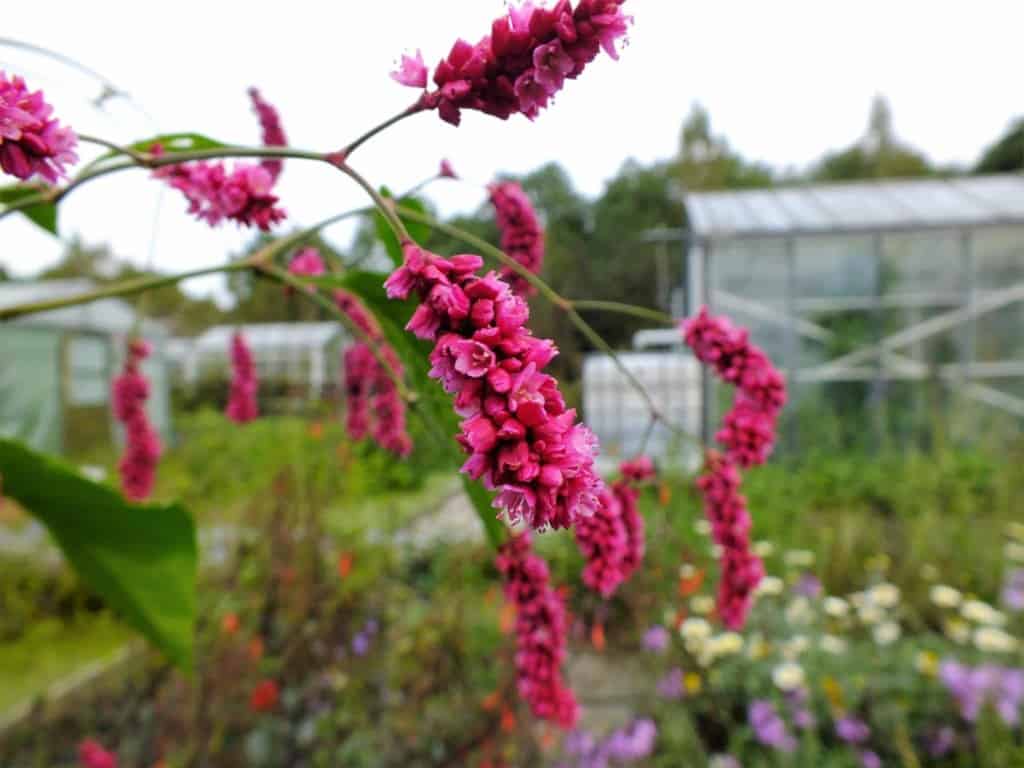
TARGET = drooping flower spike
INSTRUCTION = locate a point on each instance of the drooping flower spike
(242, 405)
(612, 540)
(32, 143)
(521, 235)
(137, 467)
(273, 133)
(540, 632)
(524, 61)
(522, 440)
(373, 405)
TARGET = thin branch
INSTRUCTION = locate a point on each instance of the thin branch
(345, 153)
(386, 207)
(644, 313)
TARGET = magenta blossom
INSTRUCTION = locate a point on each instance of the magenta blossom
(242, 405)
(726, 510)
(521, 439)
(526, 59)
(521, 235)
(411, 72)
(374, 406)
(91, 754)
(307, 262)
(273, 133)
(540, 632)
(214, 194)
(603, 541)
(31, 142)
(142, 441)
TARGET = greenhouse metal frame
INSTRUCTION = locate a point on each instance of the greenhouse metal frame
(928, 270)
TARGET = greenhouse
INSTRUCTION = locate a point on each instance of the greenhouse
(896, 307)
(296, 362)
(57, 367)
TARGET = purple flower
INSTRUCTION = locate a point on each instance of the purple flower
(809, 586)
(634, 742)
(870, 759)
(975, 687)
(671, 685)
(769, 728)
(656, 639)
(1013, 590)
(852, 730)
(941, 741)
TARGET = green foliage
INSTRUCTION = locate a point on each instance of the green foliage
(1006, 154)
(43, 215)
(417, 231)
(141, 558)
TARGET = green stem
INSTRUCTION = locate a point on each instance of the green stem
(138, 157)
(386, 207)
(126, 288)
(625, 309)
(345, 153)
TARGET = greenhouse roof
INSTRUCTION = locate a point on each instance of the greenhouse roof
(858, 207)
(270, 336)
(110, 316)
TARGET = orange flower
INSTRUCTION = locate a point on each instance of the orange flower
(316, 430)
(689, 585)
(597, 636)
(264, 696)
(345, 560)
(491, 701)
(507, 622)
(256, 648)
(229, 624)
(508, 720)
(664, 494)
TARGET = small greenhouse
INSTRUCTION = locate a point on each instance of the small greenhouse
(295, 362)
(56, 368)
(896, 308)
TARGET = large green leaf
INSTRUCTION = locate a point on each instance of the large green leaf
(42, 214)
(417, 230)
(433, 403)
(141, 558)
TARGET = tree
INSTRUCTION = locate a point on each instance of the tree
(1007, 153)
(877, 154)
(706, 161)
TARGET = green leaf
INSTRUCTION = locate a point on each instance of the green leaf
(178, 142)
(417, 230)
(141, 558)
(42, 214)
(433, 404)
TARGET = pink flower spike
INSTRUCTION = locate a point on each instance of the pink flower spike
(307, 262)
(412, 72)
(242, 404)
(31, 142)
(522, 237)
(130, 391)
(273, 133)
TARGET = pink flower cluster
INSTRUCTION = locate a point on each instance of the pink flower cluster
(526, 59)
(521, 235)
(273, 133)
(748, 431)
(521, 438)
(91, 754)
(374, 404)
(726, 510)
(540, 632)
(31, 142)
(214, 194)
(306, 262)
(242, 405)
(748, 434)
(142, 442)
(612, 539)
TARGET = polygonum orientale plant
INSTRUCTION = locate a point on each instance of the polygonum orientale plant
(32, 143)
(130, 391)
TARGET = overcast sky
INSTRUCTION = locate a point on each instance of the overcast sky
(784, 81)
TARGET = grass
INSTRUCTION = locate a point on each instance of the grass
(50, 650)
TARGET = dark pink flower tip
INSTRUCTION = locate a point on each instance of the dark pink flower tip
(446, 170)
(91, 754)
(214, 194)
(522, 236)
(526, 59)
(31, 142)
(242, 404)
(273, 132)
(130, 390)
(412, 72)
(639, 469)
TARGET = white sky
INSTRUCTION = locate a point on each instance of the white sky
(784, 81)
